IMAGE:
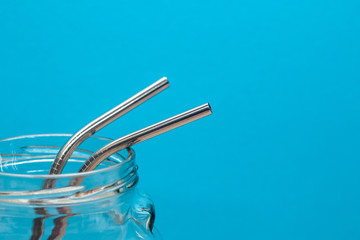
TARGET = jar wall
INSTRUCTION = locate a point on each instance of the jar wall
(113, 219)
(105, 205)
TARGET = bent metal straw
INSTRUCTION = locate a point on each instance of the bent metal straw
(130, 140)
(102, 121)
(144, 134)
(65, 152)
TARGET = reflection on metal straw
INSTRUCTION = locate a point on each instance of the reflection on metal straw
(145, 134)
(105, 119)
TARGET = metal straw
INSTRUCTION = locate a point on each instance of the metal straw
(129, 140)
(105, 119)
(144, 134)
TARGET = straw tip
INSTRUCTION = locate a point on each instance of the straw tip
(208, 108)
(164, 79)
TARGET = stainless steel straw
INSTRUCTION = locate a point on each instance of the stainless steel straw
(105, 119)
(144, 134)
(129, 140)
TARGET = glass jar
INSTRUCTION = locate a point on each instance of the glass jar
(104, 204)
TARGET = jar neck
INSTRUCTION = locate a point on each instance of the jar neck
(117, 177)
(93, 186)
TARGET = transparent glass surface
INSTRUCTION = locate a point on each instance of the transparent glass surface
(102, 204)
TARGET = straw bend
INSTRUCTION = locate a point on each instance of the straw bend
(102, 121)
(144, 134)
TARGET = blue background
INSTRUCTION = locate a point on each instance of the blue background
(278, 159)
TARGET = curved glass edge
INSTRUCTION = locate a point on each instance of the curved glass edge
(131, 156)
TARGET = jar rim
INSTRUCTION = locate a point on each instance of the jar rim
(130, 157)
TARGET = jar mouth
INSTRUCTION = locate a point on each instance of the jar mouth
(130, 157)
